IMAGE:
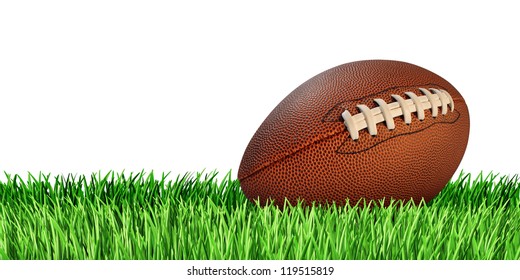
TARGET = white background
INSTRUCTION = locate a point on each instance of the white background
(90, 86)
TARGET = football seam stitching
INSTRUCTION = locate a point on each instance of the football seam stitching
(386, 112)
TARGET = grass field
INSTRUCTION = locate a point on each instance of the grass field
(141, 216)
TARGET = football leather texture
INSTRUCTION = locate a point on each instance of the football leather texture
(372, 130)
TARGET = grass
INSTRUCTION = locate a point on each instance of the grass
(141, 216)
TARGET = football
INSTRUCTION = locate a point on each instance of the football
(372, 130)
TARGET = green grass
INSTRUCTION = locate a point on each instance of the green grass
(139, 216)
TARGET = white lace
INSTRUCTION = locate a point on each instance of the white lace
(386, 112)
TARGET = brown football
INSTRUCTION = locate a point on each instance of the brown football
(369, 129)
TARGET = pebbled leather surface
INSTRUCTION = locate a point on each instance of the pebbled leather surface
(303, 151)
